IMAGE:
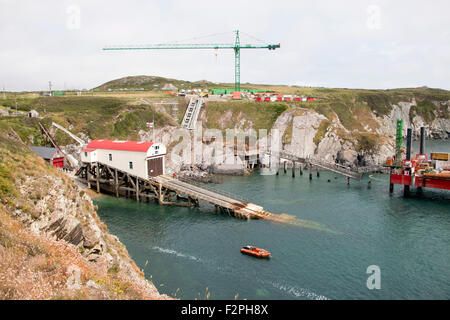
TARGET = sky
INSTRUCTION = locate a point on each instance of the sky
(377, 44)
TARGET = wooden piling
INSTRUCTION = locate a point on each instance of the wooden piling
(98, 177)
(88, 175)
(293, 169)
(137, 189)
(284, 167)
(116, 183)
(310, 171)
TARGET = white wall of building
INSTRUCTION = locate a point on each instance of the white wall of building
(156, 149)
(87, 156)
(121, 159)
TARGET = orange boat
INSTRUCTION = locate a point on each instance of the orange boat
(256, 252)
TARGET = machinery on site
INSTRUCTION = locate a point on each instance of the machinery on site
(236, 47)
(421, 171)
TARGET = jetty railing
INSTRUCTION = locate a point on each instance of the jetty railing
(215, 190)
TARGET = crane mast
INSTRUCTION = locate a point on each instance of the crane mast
(236, 47)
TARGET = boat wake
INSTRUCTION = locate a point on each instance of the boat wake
(299, 292)
(176, 253)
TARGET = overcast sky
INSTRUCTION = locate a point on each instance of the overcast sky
(349, 43)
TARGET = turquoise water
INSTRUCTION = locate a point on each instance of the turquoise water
(189, 250)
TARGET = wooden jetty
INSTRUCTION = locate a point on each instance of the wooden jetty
(168, 190)
(345, 171)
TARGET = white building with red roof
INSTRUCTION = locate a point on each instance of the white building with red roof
(139, 158)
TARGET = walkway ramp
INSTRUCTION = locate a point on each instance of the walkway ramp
(191, 115)
(336, 168)
(326, 165)
(239, 206)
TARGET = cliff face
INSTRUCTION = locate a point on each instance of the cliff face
(314, 135)
(353, 134)
(52, 243)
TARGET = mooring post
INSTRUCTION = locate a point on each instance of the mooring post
(318, 173)
(278, 168)
(284, 166)
(293, 169)
(301, 169)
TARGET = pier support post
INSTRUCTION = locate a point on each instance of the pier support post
(98, 177)
(116, 183)
(391, 185)
(301, 169)
(310, 171)
(421, 149)
(284, 167)
(137, 189)
(318, 173)
(88, 175)
(408, 157)
(160, 195)
(293, 169)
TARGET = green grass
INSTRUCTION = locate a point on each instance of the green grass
(121, 116)
(321, 131)
(129, 123)
(98, 117)
(252, 114)
(367, 143)
(426, 109)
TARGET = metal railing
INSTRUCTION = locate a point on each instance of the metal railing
(215, 190)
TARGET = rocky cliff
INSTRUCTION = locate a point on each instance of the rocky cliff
(353, 134)
(52, 243)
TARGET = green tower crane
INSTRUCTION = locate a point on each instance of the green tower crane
(236, 47)
(398, 143)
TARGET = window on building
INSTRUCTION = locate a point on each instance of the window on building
(110, 157)
(156, 147)
(131, 165)
(85, 154)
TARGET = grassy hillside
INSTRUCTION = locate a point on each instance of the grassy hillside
(120, 115)
(223, 115)
(97, 117)
(150, 83)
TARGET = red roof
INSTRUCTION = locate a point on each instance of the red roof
(88, 150)
(120, 145)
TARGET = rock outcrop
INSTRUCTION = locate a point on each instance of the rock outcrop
(57, 246)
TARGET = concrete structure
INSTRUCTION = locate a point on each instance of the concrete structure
(141, 159)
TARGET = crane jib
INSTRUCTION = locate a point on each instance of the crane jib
(236, 47)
